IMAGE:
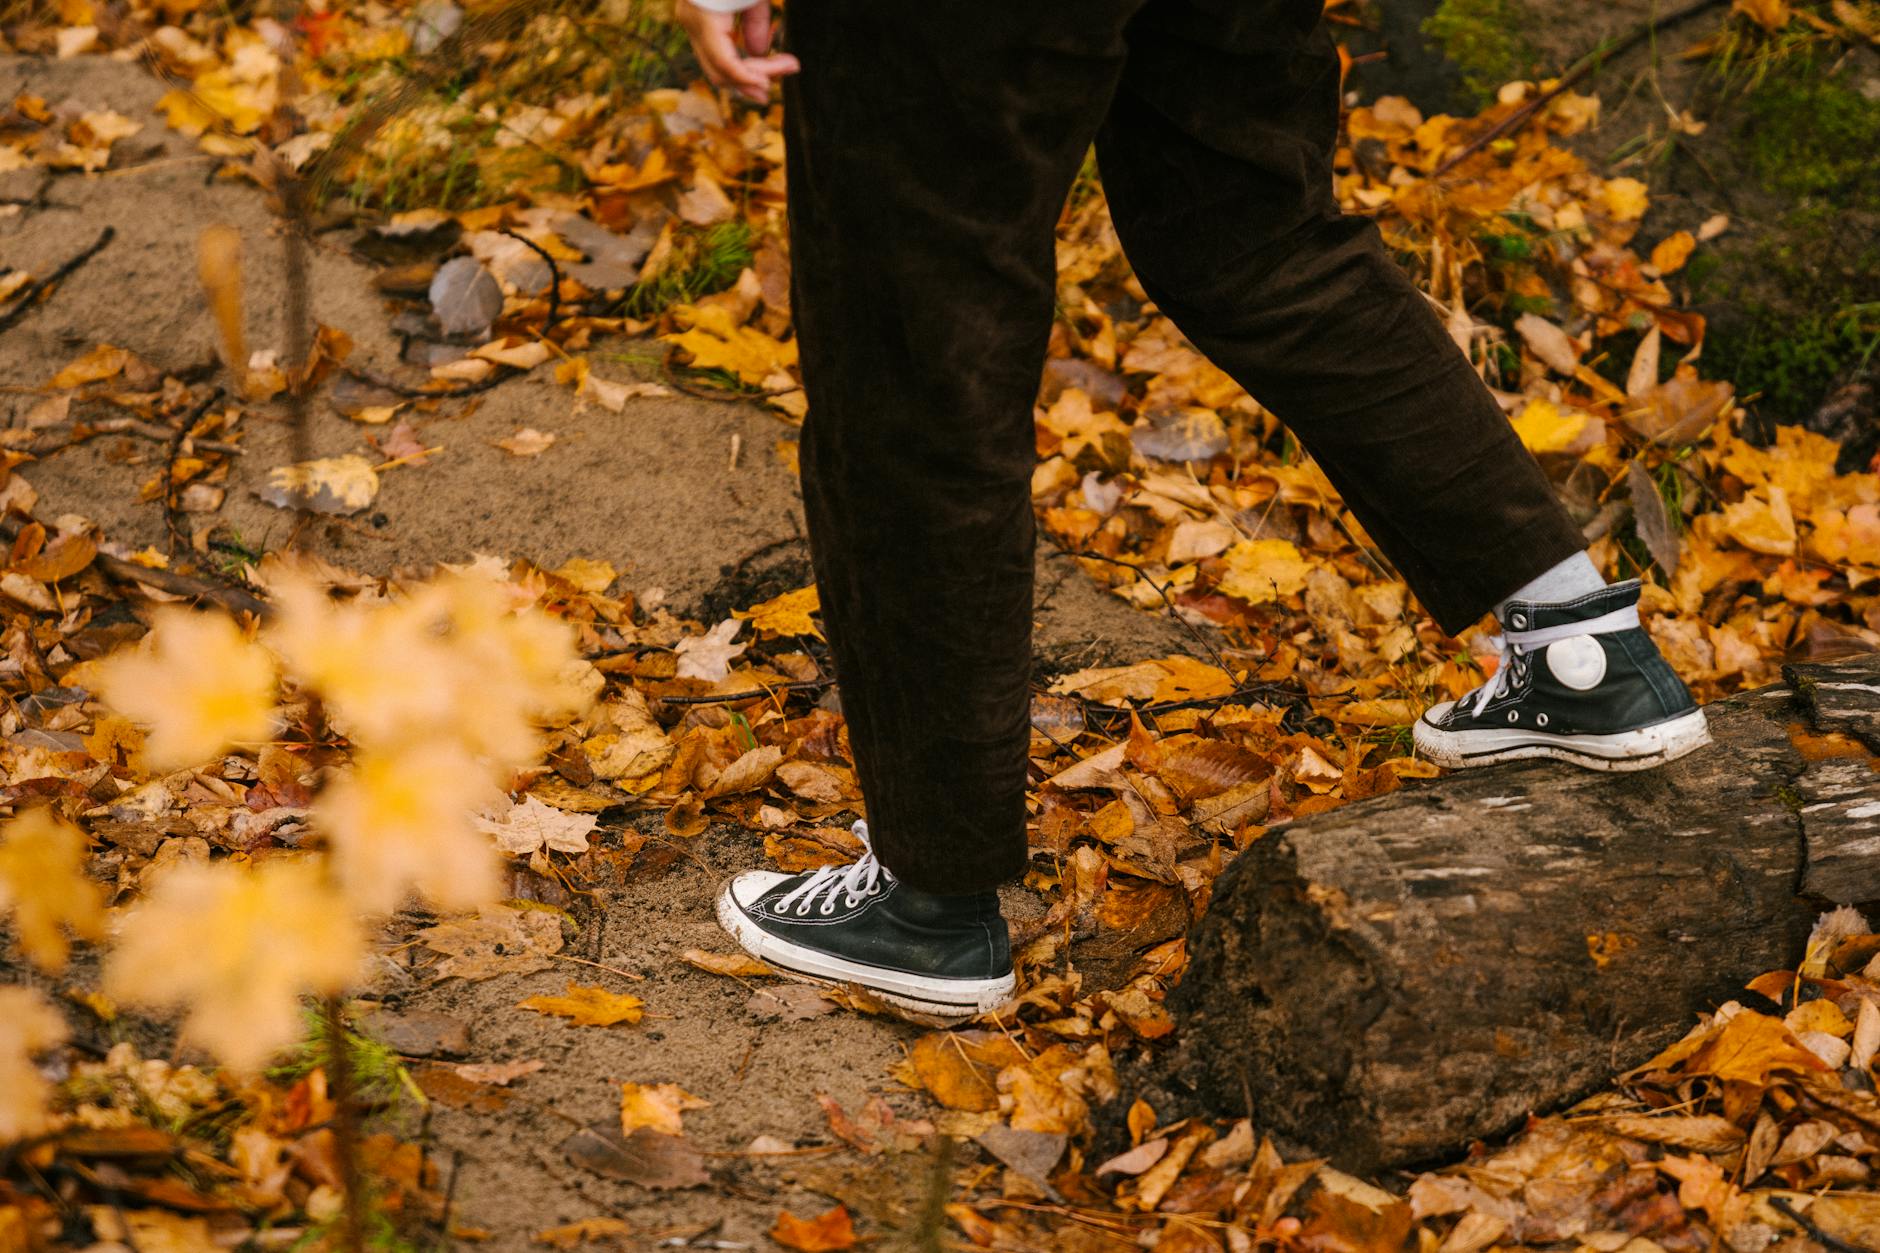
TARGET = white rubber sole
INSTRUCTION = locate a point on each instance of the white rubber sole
(1641, 749)
(957, 999)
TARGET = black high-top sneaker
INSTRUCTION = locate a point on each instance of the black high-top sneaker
(944, 955)
(1579, 680)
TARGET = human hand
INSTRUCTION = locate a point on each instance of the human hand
(733, 48)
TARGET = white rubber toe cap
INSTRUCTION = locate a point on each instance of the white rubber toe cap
(1436, 713)
(746, 887)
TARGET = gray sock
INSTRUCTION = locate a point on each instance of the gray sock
(1575, 577)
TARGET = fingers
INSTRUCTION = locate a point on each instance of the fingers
(756, 28)
(715, 41)
(718, 57)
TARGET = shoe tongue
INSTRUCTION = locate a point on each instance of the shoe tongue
(1528, 615)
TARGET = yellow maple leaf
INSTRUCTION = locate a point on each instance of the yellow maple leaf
(660, 1106)
(1543, 428)
(43, 885)
(593, 577)
(1260, 570)
(717, 343)
(237, 945)
(402, 821)
(198, 682)
(28, 1025)
(788, 614)
(1762, 526)
(1189, 679)
(587, 1007)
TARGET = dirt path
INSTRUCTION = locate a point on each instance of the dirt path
(651, 490)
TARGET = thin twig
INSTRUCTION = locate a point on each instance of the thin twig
(1214, 654)
(1200, 702)
(554, 277)
(1581, 68)
(420, 393)
(755, 693)
(172, 506)
(450, 1199)
(1783, 1205)
(148, 430)
(30, 297)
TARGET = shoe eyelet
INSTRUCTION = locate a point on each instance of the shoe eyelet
(1518, 620)
(829, 907)
(802, 911)
(852, 901)
(1514, 715)
(1541, 719)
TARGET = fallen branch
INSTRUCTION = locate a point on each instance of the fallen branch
(30, 297)
(189, 585)
(1581, 68)
(756, 693)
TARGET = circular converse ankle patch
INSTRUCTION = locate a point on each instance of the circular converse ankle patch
(1578, 662)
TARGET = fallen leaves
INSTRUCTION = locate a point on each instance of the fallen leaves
(340, 486)
(528, 826)
(588, 1006)
(660, 1106)
(825, 1233)
(735, 965)
(586, 1231)
(526, 442)
(646, 1157)
(715, 342)
(498, 940)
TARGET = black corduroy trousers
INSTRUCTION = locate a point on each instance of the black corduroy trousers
(931, 145)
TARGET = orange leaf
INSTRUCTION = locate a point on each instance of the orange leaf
(821, 1234)
(1673, 251)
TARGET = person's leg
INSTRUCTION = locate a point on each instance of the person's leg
(1217, 160)
(1216, 157)
(930, 150)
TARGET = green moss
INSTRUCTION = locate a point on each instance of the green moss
(1791, 311)
(1790, 360)
(1812, 135)
(1481, 38)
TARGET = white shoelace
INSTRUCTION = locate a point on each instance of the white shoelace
(1511, 646)
(855, 882)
